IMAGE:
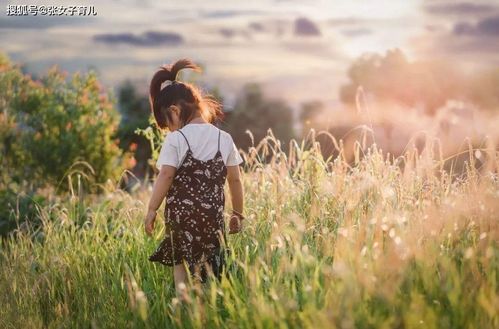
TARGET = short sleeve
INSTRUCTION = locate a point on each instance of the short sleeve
(234, 157)
(168, 154)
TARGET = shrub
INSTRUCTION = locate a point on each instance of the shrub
(51, 126)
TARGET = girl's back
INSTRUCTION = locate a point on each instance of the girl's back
(203, 141)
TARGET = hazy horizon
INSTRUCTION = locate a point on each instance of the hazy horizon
(298, 50)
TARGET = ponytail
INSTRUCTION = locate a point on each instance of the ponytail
(158, 98)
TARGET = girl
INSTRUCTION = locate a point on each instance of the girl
(195, 160)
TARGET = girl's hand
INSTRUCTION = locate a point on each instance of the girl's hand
(235, 223)
(149, 222)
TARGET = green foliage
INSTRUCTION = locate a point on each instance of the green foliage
(50, 128)
(18, 209)
(49, 125)
(135, 114)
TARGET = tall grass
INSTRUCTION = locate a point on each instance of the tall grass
(327, 244)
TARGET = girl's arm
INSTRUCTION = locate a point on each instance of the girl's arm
(161, 186)
(160, 189)
(236, 188)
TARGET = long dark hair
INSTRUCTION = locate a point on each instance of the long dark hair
(186, 96)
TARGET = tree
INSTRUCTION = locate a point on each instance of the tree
(135, 112)
(392, 77)
(309, 115)
(48, 125)
(254, 112)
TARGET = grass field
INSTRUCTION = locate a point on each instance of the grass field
(374, 244)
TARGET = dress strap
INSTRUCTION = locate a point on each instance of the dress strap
(185, 139)
(219, 139)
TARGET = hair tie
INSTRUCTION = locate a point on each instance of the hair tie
(174, 82)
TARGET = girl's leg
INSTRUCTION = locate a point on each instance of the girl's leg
(180, 278)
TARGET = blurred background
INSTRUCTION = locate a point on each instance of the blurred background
(399, 70)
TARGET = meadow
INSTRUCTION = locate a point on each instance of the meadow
(377, 243)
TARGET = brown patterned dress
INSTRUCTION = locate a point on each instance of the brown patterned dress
(194, 213)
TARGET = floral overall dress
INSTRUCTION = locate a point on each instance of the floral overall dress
(194, 214)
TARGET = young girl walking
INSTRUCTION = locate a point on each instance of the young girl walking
(195, 160)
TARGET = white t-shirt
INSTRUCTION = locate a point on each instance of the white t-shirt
(203, 139)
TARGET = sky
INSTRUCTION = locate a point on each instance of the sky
(297, 50)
